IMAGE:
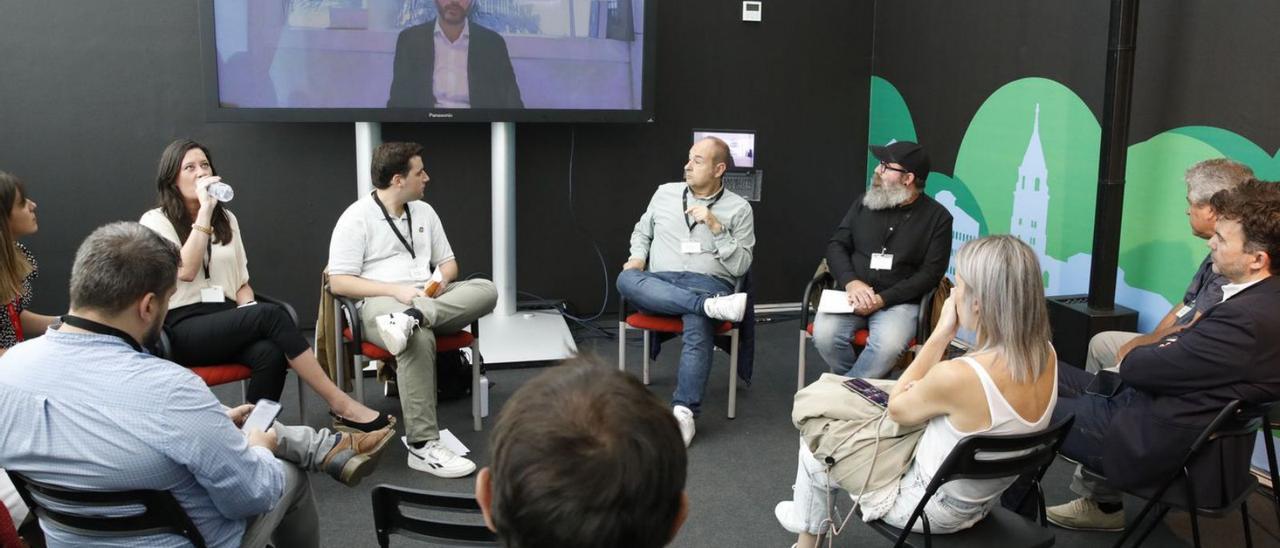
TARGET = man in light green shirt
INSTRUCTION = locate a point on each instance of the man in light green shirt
(688, 251)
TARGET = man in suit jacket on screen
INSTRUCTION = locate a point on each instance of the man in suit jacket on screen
(450, 63)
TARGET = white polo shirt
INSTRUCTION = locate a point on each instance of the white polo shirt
(364, 245)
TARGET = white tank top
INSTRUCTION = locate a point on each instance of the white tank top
(940, 437)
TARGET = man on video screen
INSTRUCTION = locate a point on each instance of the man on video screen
(450, 63)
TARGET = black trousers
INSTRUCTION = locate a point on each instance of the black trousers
(261, 336)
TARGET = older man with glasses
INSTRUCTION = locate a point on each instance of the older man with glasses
(890, 249)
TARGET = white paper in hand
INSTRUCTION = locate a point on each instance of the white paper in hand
(453, 443)
(834, 302)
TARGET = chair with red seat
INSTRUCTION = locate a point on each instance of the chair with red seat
(218, 374)
(361, 351)
(648, 324)
(823, 279)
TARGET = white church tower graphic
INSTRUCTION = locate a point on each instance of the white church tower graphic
(963, 228)
(1031, 194)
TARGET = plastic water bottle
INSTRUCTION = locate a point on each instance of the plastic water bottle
(221, 192)
(484, 396)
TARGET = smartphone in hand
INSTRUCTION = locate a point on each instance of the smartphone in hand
(868, 391)
(263, 416)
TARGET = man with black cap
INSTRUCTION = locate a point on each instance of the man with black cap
(891, 248)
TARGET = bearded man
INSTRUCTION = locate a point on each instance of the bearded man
(889, 250)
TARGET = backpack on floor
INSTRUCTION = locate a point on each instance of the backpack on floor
(453, 375)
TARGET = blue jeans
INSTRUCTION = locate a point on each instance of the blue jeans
(681, 294)
(891, 330)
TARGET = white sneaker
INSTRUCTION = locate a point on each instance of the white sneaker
(395, 329)
(785, 511)
(684, 417)
(729, 308)
(436, 459)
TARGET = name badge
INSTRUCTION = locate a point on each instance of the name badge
(690, 246)
(881, 261)
(1183, 311)
(212, 294)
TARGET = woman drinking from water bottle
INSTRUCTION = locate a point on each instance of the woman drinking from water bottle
(213, 317)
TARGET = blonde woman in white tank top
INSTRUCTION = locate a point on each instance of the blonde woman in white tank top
(1007, 385)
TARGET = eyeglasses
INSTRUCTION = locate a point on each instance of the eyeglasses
(886, 165)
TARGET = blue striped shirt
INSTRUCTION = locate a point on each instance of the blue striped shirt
(87, 412)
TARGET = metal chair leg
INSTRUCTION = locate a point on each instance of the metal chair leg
(1244, 517)
(244, 392)
(476, 364)
(622, 346)
(804, 335)
(1151, 526)
(733, 373)
(646, 334)
(1270, 443)
(358, 377)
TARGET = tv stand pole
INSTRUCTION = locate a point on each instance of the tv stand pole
(508, 335)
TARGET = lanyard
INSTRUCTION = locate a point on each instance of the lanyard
(16, 319)
(889, 234)
(408, 215)
(684, 200)
(101, 329)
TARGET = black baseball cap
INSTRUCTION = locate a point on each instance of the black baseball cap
(911, 156)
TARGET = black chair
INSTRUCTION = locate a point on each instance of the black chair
(1236, 483)
(389, 519)
(1273, 417)
(991, 457)
(161, 515)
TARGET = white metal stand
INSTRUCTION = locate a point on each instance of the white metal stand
(507, 335)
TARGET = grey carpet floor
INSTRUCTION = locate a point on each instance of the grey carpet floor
(738, 469)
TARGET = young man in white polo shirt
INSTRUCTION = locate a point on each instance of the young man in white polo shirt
(385, 249)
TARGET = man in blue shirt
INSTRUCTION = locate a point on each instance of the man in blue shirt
(84, 407)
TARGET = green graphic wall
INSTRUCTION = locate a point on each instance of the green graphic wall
(1039, 128)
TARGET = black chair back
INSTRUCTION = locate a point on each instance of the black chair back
(389, 518)
(161, 515)
(992, 457)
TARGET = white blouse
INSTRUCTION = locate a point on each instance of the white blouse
(228, 265)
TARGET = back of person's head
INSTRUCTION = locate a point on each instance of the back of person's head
(119, 264)
(1003, 280)
(1256, 206)
(391, 159)
(1207, 178)
(584, 456)
(14, 267)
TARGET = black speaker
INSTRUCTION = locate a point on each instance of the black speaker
(1074, 323)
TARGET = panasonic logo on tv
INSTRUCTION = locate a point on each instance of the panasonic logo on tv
(439, 115)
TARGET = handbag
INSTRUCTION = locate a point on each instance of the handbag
(863, 449)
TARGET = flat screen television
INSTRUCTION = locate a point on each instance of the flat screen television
(428, 60)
